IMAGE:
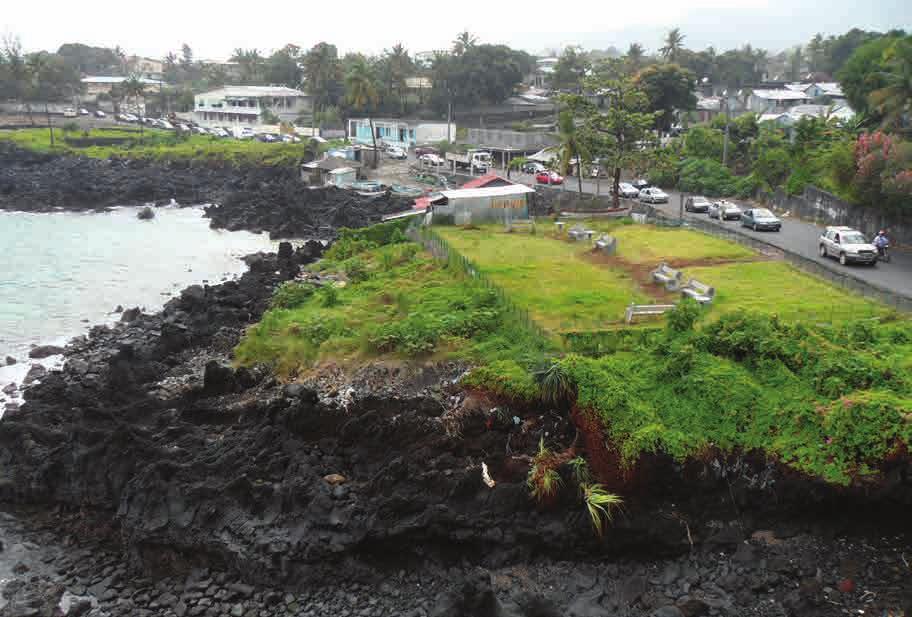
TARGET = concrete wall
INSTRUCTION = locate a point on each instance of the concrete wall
(510, 139)
(826, 209)
(550, 199)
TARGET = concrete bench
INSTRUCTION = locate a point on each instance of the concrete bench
(668, 276)
(521, 224)
(646, 309)
(607, 244)
(577, 232)
(701, 292)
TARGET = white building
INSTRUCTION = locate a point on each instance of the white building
(774, 101)
(244, 105)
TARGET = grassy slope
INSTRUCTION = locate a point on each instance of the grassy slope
(159, 145)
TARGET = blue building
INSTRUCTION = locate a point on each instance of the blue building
(402, 133)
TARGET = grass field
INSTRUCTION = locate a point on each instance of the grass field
(160, 145)
(548, 277)
(567, 288)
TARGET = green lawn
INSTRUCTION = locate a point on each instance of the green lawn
(777, 287)
(160, 145)
(645, 244)
(548, 277)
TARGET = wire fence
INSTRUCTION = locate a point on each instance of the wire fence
(444, 251)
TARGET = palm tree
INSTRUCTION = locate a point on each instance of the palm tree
(674, 43)
(399, 67)
(465, 41)
(136, 88)
(635, 55)
(250, 61)
(361, 94)
(894, 100)
(321, 73)
(570, 146)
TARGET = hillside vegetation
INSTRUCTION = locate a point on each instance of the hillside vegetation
(827, 396)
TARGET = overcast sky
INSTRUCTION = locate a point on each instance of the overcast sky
(215, 28)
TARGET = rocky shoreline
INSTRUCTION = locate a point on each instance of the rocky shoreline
(265, 199)
(211, 490)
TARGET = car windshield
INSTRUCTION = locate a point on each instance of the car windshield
(853, 238)
(763, 213)
(730, 206)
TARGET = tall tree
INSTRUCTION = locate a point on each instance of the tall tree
(284, 67)
(674, 43)
(893, 101)
(395, 67)
(250, 62)
(864, 73)
(186, 58)
(669, 88)
(617, 134)
(570, 70)
(361, 94)
(134, 87)
(570, 146)
(635, 56)
(464, 41)
(323, 74)
(794, 64)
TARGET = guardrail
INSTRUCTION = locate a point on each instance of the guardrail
(442, 250)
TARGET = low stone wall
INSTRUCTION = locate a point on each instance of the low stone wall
(826, 209)
(510, 139)
(552, 199)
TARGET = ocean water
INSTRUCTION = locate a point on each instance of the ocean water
(61, 273)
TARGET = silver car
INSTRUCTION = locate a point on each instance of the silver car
(725, 211)
(697, 203)
(847, 245)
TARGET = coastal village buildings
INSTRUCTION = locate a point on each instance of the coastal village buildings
(245, 105)
(401, 133)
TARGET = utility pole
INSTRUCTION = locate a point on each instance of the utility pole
(725, 141)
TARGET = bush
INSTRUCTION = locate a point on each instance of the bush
(706, 177)
(797, 180)
(683, 316)
(290, 295)
(329, 296)
(356, 270)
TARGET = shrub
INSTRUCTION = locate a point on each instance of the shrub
(291, 294)
(555, 384)
(543, 480)
(580, 471)
(797, 180)
(505, 378)
(329, 296)
(706, 177)
(683, 316)
(356, 270)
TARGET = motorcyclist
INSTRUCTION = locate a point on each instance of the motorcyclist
(881, 242)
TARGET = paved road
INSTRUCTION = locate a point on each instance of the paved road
(796, 236)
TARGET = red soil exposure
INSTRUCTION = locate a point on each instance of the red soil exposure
(605, 463)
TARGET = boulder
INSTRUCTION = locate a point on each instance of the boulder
(146, 214)
(34, 374)
(10, 360)
(45, 351)
(131, 315)
(218, 379)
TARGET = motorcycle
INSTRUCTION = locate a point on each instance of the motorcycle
(883, 253)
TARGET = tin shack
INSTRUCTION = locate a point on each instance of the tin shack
(500, 204)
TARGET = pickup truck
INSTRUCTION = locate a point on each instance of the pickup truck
(471, 159)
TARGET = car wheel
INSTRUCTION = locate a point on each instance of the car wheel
(822, 251)
(842, 259)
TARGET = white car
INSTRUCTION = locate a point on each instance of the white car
(628, 190)
(69, 112)
(847, 245)
(83, 111)
(653, 195)
(724, 211)
(395, 152)
(431, 159)
(165, 125)
(99, 113)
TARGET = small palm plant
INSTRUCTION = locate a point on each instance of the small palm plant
(600, 505)
(543, 480)
(580, 471)
(556, 385)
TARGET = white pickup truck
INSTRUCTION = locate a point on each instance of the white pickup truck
(479, 160)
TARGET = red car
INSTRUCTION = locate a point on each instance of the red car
(549, 177)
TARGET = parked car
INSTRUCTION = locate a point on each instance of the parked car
(69, 112)
(99, 113)
(653, 195)
(640, 184)
(290, 139)
(533, 167)
(724, 211)
(422, 150)
(395, 152)
(266, 138)
(549, 177)
(219, 132)
(199, 130)
(847, 245)
(759, 219)
(431, 159)
(628, 190)
(83, 111)
(165, 125)
(696, 203)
